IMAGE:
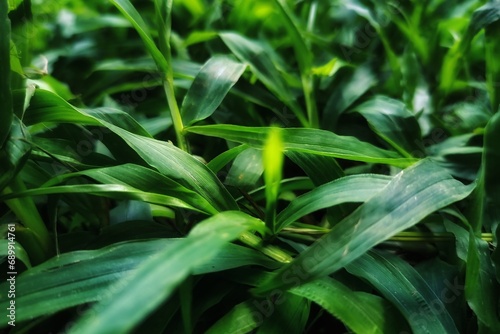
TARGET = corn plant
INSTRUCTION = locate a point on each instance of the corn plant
(236, 166)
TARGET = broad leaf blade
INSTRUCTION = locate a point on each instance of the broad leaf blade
(80, 277)
(156, 279)
(209, 88)
(143, 179)
(411, 195)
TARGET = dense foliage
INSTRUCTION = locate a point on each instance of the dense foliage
(264, 166)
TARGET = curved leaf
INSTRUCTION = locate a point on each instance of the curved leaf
(355, 188)
(311, 141)
(409, 197)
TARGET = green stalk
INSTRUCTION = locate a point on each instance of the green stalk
(164, 21)
(304, 58)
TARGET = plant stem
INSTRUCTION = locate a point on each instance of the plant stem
(164, 18)
(175, 113)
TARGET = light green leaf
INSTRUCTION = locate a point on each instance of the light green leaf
(273, 165)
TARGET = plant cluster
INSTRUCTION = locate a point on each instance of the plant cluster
(237, 166)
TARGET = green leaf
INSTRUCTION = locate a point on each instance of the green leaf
(241, 319)
(20, 252)
(157, 278)
(409, 197)
(492, 53)
(81, 277)
(246, 170)
(481, 288)
(288, 313)
(6, 111)
(395, 124)
(349, 306)
(311, 141)
(116, 191)
(143, 179)
(209, 88)
(14, 153)
(403, 286)
(47, 107)
(352, 88)
(255, 55)
(355, 188)
(164, 157)
(180, 166)
(133, 16)
(273, 165)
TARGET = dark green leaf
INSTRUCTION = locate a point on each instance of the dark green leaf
(409, 197)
